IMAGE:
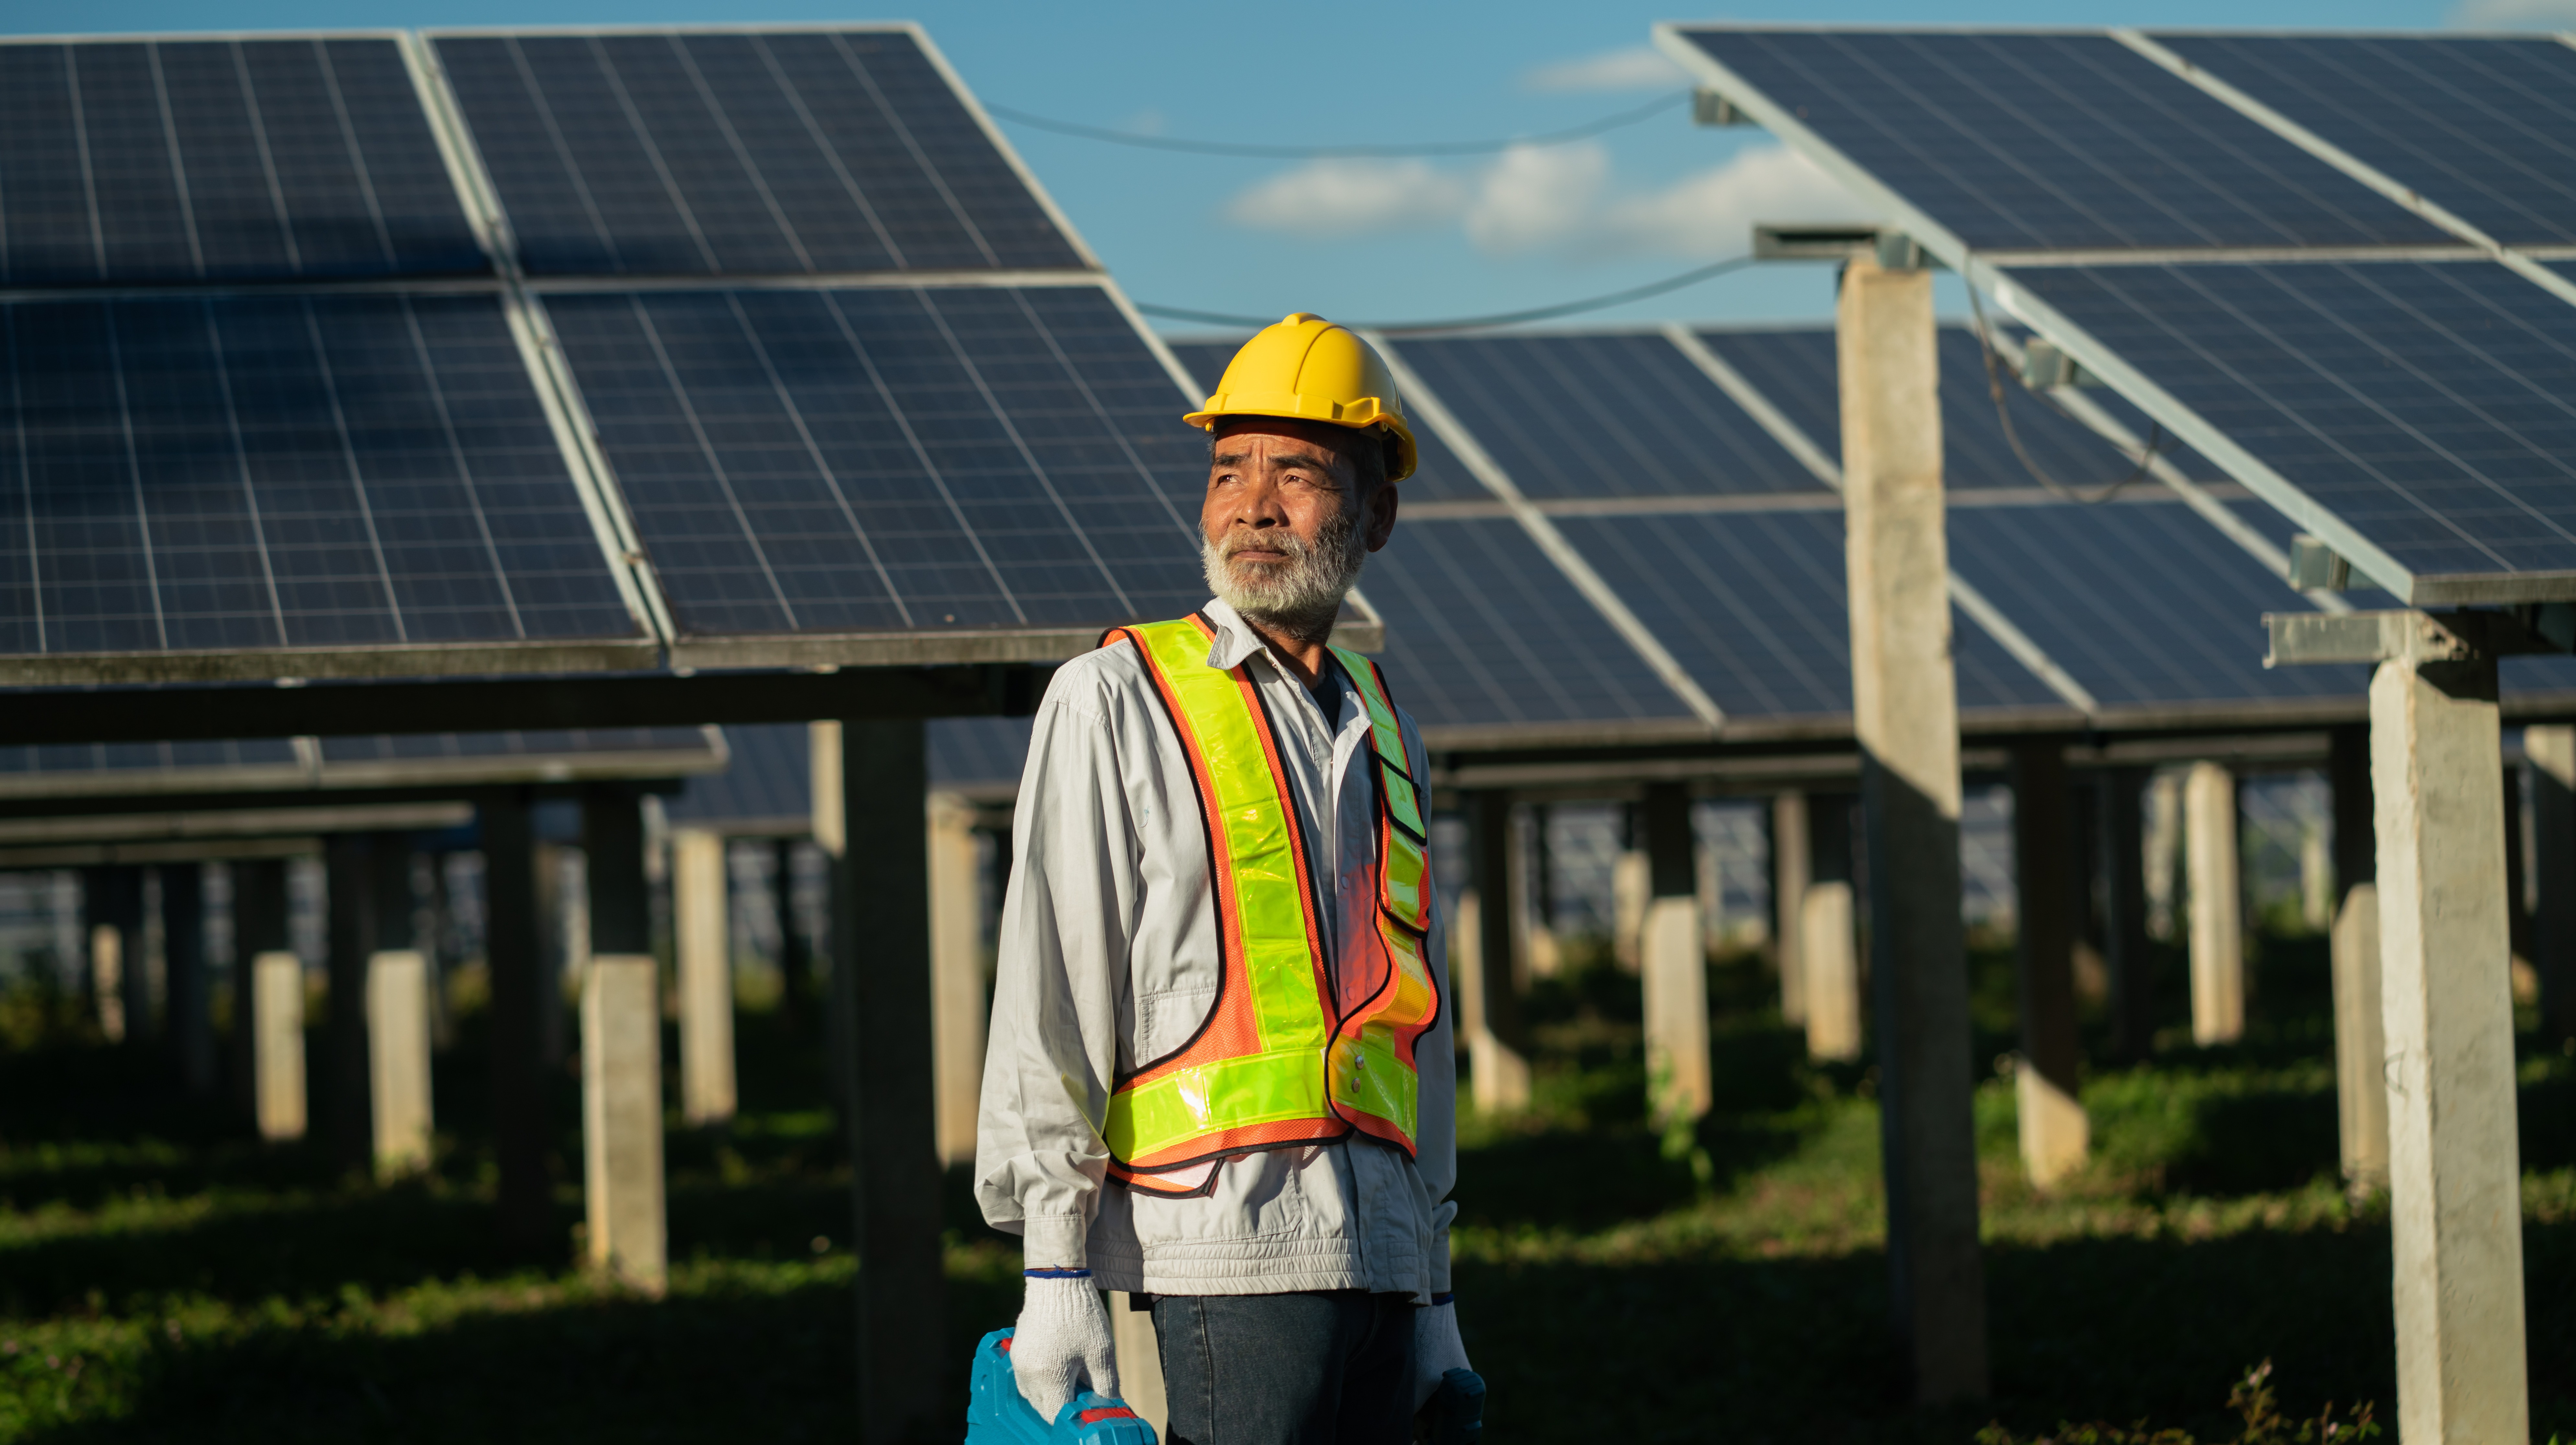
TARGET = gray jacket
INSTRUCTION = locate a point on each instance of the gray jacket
(1109, 955)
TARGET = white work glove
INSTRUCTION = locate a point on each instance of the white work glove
(1062, 1342)
(1436, 1349)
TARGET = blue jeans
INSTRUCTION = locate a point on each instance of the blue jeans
(1324, 1368)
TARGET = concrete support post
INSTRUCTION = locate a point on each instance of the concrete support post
(2163, 849)
(1631, 894)
(348, 1114)
(277, 1042)
(702, 940)
(2526, 977)
(1672, 961)
(1826, 928)
(621, 1047)
(1789, 901)
(398, 1059)
(112, 899)
(2361, 1051)
(881, 987)
(2455, 1178)
(2126, 949)
(957, 1005)
(2217, 906)
(183, 947)
(259, 927)
(1140, 1363)
(1906, 717)
(1905, 712)
(1498, 1048)
(2055, 1135)
(1535, 953)
(2552, 751)
(514, 951)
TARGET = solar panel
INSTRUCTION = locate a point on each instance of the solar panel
(742, 153)
(2141, 602)
(1794, 368)
(898, 458)
(2484, 126)
(1752, 604)
(472, 747)
(1438, 475)
(766, 781)
(2055, 142)
(2431, 407)
(1604, 415)
(76, 759)
(169, 160)
(978, 752)
(243, 472)
(1483, 631)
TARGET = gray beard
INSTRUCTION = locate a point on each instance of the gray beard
(1298, 599)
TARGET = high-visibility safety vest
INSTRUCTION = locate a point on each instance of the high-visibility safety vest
(1305, 1043)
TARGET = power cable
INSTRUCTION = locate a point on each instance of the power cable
(1476, 323)
(1330, 152)
(2003, 414)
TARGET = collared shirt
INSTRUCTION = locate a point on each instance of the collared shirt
(1109, 955)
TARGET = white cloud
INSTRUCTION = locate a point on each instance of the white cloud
(1638, 67)
(1349, 197)
(1533, 198)
(1712, 213)
(2515, 14)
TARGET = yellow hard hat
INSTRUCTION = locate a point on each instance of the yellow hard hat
(1308, 368)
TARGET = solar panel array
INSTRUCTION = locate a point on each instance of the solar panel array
(768, 258)
(407, 760)
(2282, 247)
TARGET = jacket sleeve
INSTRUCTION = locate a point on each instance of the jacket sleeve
(1435, 1058)
(1067, 922)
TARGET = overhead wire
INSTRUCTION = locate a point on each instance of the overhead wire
(2146, 458)
(1339, 152)
(1477, 323)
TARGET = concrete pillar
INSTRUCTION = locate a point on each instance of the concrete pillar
(2526, 978)
(2163, 847)
(2361, 1050)
(277, 1042)
(112, 899)
(348, 1116)
(703, 942)
(1671, 961)
(259, 926)
(2455, 1177)
(514, 951)
(2316, 879)
(183, 945)
(1832, 968)
(2217, 906)
(1906, 717)
(2055, 1136)
(398, 1059)
(1535, 953)
(1498, 1049)
(1789, 900)
(881, 989)
(2126, 949)
(1631, 893)
(1140, 1362)
(824, 762)
(621, 1047)
(957, 1005)
(2552, 751)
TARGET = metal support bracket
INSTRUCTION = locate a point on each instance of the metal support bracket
(2300, 638)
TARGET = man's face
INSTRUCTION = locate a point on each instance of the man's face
(1280, 491)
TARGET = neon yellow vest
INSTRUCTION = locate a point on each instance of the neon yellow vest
(1299, 1048)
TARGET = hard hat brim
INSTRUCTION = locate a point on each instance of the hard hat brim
(1361, 415)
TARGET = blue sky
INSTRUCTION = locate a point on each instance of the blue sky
(1388, 241)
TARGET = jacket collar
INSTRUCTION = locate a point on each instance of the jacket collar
(1235, 639)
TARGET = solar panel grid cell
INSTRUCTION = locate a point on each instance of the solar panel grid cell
(1482, 630)
(2484, 126)
(741, 154)
(1604, 415)
(2431, 407)
(148, 161)
(250, 472)
(2142, 602)
(2056, 141)
(874, 460)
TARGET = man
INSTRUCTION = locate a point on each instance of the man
(1220, 1073)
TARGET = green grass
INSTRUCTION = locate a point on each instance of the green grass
(163, 1277)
